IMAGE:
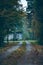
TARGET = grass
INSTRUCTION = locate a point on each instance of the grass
(24, 41)
(34, 43)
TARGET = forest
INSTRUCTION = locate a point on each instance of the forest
(21, 32)
(14, 21)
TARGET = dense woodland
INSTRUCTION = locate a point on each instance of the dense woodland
(12, 17)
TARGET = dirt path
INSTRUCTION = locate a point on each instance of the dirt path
(30, 58)
(9, 51)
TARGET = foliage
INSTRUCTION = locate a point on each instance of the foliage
(10, 17)
(38, 6)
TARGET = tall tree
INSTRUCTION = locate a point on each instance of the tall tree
(38, 8)
(10, 15)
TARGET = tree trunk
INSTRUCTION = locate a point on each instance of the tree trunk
(1, 40)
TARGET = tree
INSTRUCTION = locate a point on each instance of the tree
(38, 8)
(10, 15)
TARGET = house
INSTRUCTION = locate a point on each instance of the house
(19, 35)
(12, 36)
